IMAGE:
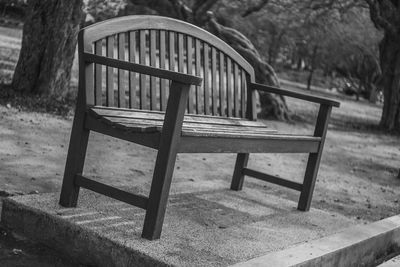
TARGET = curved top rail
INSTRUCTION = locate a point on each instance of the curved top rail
(106, 28)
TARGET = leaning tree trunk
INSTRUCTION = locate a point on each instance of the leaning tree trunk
(48, 47)
(389, 50)
(271, 105)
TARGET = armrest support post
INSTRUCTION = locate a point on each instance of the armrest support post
(165, 162)
(314, 159)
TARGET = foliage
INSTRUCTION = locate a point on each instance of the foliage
(98, 10)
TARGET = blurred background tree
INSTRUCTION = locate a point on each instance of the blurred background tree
(350, 46)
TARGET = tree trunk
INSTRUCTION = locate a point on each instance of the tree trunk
(312, 67)
(272, 105)
(48, 47)
(386, 16)
(389, 51)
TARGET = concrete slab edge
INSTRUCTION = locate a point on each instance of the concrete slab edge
(359, 245)
(81, 245)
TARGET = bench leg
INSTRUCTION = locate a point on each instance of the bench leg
(165, 161)
(75, 161)
(313, 159)
(238, 177)
(309, 181)
(158, 197)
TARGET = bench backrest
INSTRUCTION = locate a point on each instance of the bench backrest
(168, 44)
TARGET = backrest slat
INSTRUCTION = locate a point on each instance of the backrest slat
(172, 51)
(169, 44)
(198, 73)
(163, 82)
(142, 52)
(222, 83)
(229, 86)
(98, 47)
(214, 87)
(110, 72)
(243, 91)
(153, 90)
(132, 75)
(121, 73)
(236, 89)
(189, 59)
(206, 81)
(181, 67)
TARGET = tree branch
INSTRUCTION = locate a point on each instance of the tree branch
(255, 8)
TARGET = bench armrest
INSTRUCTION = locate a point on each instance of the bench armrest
(139, 68)
(290, 93)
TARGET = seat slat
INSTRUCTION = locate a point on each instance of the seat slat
(194, 126)
(107, 112)
(187, 131)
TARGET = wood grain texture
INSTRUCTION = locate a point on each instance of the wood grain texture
(125, 65)
(214, 88)
(189, 66)
(153, 88)
(229, 86)
(110, 72)
(132, 76)
(198, 73)
(206, 83)
(129, 23)
(236, 101)
(98, 49)
(222, 84)
(314, 159)
(163, 82)
(142, 61)
(299, 95)
(121, 72)
(165, 161)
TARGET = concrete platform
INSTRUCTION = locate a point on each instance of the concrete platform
(213, 228)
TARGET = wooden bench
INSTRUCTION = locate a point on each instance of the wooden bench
(139, 80)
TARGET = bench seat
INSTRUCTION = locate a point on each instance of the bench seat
(200, 133)
(187, 92)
